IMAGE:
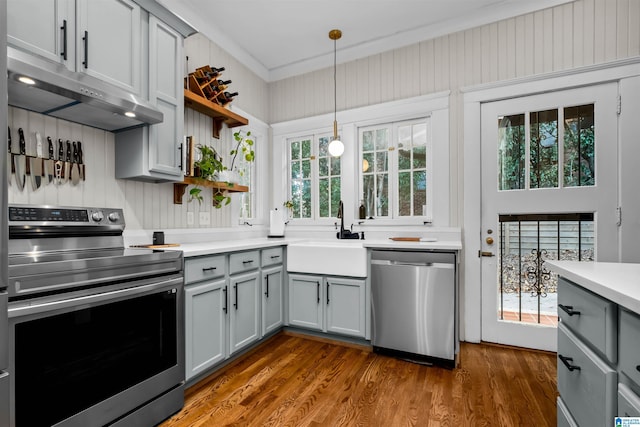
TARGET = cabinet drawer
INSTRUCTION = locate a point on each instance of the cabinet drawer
(243, 261)
(630, 345)
(272, 256)
(628, 402)
(564, 416)
(591, 317)
(589, 390)
(203, 268)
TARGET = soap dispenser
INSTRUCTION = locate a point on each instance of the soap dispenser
(362, 214)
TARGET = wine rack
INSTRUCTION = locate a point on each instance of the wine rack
(205, 93)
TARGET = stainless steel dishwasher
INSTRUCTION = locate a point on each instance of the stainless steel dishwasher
(414, 305)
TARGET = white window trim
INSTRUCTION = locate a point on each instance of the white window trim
(434, 105)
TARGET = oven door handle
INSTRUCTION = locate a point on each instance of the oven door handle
(46, 306)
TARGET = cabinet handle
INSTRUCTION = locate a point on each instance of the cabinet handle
(64, 40)
(568, 309)
(266, 279)
(567, 362)
(318, 291)
(226, 299)
(247, 262)
(86, 49)
(180, 150)
(208, 268)
(327, 293)
(235, 287)
(275, 256)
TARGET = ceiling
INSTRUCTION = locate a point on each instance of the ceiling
(284, 38)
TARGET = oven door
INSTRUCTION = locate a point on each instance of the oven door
(4, 361)
(88, 360)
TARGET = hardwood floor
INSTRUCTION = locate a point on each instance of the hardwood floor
(295, 381)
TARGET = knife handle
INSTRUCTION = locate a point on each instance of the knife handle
(60, 149)
(9, 139)
(22, 143)
(79, 152)
(68, 159)
(50, 147)
(75, 152)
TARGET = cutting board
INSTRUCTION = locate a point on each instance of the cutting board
(166, 245)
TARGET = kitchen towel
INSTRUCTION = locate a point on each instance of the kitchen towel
(276, 223)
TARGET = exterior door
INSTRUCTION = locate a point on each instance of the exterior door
(549, 173)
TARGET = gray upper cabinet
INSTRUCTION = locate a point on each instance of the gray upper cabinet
(152, 153)
(108, 42)
(99, 38)
(40, 27)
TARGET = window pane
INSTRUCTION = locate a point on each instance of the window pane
(323, 146)
(306, 169)
(382, 139)
(369, 193)
(419, 193)
(306, 199)
(404, 155)
(511, 146)
(382, 193)
(335, 196)
(544, 149)
(335, 165)
(579, 145)
(367, 162)
(404, 190)
(295, 150)
(381, 161)
(420, 146)
(323, 190)
(367, 140)
(306, 149)
(296, 173)
(323, 166)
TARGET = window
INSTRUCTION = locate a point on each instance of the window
(314, 176)
(396, 169)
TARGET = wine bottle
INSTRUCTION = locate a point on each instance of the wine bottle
(225, 97)
(215, 72)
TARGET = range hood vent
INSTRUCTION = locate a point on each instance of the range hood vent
(72, 96)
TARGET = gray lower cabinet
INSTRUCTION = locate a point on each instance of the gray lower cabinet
(244, 310)
(328, 304)
(272, 297)
(205, 326)
(598, 358)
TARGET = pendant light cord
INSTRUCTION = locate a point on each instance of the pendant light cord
(335, 85)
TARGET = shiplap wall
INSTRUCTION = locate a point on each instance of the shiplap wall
(576, 34)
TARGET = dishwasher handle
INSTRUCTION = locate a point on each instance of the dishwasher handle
(412, 263)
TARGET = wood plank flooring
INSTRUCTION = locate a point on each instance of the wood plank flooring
(295, 381)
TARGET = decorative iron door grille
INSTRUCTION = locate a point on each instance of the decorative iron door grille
(527, 290)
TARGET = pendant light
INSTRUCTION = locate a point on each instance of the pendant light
(336, 147)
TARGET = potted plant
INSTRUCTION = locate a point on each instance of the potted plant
(207, 167)
(243, 146)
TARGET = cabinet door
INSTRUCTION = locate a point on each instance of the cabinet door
(244, 318)
(38, 27)
(305, 301)
(108, 41)
(165, 92)
(272, 314)
(345, 303)
(205, 326)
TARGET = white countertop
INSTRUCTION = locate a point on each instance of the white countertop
(221, 246)
(617, 282)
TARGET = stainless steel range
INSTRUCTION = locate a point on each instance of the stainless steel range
(95, 329)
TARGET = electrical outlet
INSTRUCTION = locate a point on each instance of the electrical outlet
(205, 218)
(190, 218)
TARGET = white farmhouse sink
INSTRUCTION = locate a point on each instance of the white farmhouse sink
(329, 257)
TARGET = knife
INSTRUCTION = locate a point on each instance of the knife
(80, 161)
(75, 172)
(59, 165)
(20, 161)
(67, 162)
(36, 163)
(10, 167)
(49, 163)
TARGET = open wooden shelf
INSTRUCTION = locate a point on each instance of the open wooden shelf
(219, 114)
(179, 188)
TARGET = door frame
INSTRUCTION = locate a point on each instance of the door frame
(471, 281)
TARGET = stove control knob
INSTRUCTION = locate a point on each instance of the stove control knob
(114, 217)
(97, 216)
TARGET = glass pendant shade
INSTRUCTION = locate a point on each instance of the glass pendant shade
(336, 148)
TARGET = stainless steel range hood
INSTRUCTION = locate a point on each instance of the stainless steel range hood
(72, 96)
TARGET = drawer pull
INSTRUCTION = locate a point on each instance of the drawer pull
(247, 262)
(568, 309)
(567, 362)
(209, 268)
(275, 256)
